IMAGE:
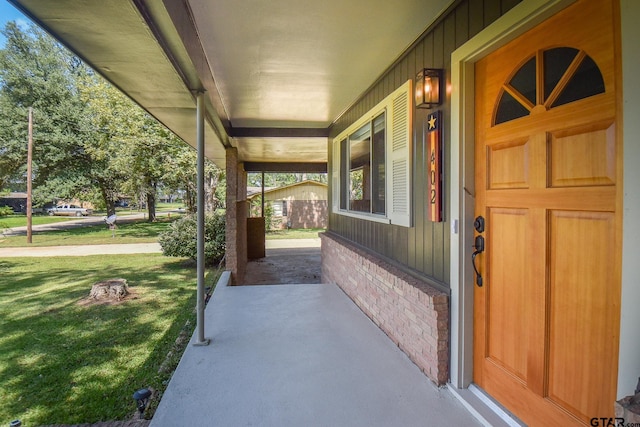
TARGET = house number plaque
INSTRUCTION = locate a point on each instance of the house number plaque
(434, 167)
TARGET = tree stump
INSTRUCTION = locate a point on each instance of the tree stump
(113, 289)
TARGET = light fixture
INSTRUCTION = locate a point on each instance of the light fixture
(428, 87)
(142, 399)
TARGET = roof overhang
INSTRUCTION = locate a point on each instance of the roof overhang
(275, 74)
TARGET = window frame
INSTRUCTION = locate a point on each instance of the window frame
(341, 160)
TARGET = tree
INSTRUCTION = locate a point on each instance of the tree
(182, 174)
(147, 148)
(37, 72)
(91, 141)
(105, 113)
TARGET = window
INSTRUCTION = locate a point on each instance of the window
(277, 208)
(371, 163)
(551, 78)
(365, 186)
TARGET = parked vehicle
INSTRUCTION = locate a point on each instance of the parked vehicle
(69, 210)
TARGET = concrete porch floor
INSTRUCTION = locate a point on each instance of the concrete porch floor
(299, 355)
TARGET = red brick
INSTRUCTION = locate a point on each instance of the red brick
(413, 314)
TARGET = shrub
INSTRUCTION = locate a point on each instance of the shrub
(6, 211)
(180, 240)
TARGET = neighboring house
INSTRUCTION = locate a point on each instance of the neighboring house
(299, 205)
(16, 201)
(506, 263)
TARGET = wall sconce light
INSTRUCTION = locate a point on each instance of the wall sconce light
(428, 87)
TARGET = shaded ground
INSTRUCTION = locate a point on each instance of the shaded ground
(286, 264)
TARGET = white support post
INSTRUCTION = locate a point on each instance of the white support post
(200, 305)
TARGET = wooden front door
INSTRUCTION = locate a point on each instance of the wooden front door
(548, 184)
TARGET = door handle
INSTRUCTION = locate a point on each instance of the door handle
(479, 248)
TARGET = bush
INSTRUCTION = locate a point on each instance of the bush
(6, 211)
(180, 240)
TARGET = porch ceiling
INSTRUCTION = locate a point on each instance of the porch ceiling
(284, 69)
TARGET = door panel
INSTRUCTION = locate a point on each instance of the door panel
(581, 157)
(507, 328)
(547, 162)
(581, 309)
(509, 165)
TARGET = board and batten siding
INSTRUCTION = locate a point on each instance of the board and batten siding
(424, 247)
(303, 191)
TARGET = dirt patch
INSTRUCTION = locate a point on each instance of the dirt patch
(90, 301)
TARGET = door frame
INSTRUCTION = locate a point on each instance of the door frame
(518, 20)
(514, 23)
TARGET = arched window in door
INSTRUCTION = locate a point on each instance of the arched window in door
(550, 78)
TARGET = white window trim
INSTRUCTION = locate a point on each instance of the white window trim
(403, 217)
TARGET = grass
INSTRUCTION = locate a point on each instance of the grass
(164, 207)
(21, 220)
(68, 362)
(136, 232)
(298, 233)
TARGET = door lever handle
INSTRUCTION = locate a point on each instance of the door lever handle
(479, 246)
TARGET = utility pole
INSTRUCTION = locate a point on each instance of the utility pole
(29, 172)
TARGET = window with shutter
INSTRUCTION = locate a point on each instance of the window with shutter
(371, 163)
(399, 154)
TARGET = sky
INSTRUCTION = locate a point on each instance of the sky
(9, 13)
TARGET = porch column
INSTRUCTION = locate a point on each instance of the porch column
(242, 216)
(200, 306)
(236, 214)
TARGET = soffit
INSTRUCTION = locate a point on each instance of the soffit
(276, 64)
(292, 63)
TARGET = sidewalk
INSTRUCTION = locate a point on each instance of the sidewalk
(129, 248)
(81, 250)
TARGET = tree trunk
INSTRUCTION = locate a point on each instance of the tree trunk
(211, 184)
(151, 206)
(189, 198)
(111, 207)
(108, 199)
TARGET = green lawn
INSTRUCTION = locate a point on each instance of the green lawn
(137, 232)
(21, 220)
(164, 207)
(298, 233)
(64, 361)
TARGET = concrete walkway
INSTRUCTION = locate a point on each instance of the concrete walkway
(136, 248)
(299, 355)
(81, 250)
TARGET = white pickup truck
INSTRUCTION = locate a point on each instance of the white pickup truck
(69, 210)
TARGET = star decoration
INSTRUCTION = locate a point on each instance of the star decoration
(432, 122)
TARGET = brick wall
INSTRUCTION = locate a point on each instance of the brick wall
(231, 231)
(236, 216)
(413, 314)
